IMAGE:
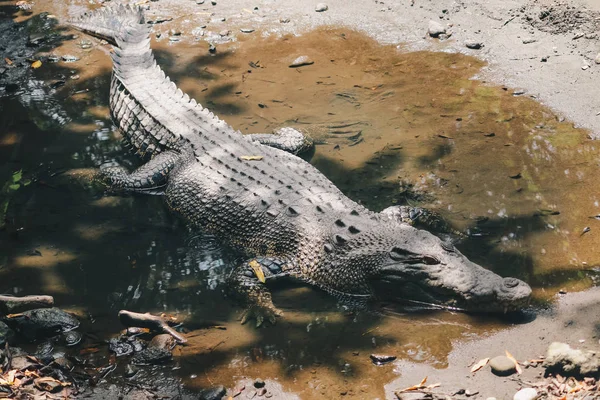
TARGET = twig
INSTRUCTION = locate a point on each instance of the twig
(12, 304)
(132, 319)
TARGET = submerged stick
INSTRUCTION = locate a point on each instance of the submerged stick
(13, 305)
(133, 319)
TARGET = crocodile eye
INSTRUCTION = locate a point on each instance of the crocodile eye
(399, 254)
(408, 257)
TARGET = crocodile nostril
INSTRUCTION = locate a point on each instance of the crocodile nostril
(511, 282)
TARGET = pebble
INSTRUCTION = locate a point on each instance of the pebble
(199, 2)
(436, 29)
(284, 20)
(224, 32)
(246, 30)
(259, 383)
(380, 359)
(528, 41)
(213, 2)
(597, 59)
(321, 7)
(526, 394)
(585, 65)
(471, 44)
(212, 49)
(502, 366)
(69, 58)
(301, 61)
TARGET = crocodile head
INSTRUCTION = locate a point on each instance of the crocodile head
(420, 267)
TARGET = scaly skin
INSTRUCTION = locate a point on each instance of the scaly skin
(282, 213)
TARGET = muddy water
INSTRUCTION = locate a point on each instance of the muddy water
(391, 127)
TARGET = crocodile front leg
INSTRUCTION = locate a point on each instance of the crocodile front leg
(248, 284)
(148, 178)
(286, 139)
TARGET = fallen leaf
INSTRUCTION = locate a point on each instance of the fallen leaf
(49, 384)
(257, 270)
(251, 158)
(14, 315)
(36, 64)
(514, 360)
(421, 385)
(480, 364)
(8, 61)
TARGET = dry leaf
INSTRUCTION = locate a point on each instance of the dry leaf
(8, 61)
(36, 64)
(257, 270)
(251, 158)
(421, 385)
(14, 315)
(514, 360)
(480, 364)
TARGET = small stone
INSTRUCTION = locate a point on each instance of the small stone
(502, 366)
(224, 32)
(284, 20)
(261, 392)
(213, 2)
(199, 2)
(518, 92)
(74, 77)
(259, 383)
(528, 41)
(246, 30)
(526, 394)
(544, 59)
(215, 393)
(69, 58)
(470, 393)
(380, 359)
(597, 59)
(212, 49)
(585, 65)
(471, 44)
(436, 29)
(301, 61)
(321, 7)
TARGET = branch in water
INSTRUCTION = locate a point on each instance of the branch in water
(13, 305)
(133, 319)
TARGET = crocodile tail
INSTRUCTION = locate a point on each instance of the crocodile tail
(110, 23)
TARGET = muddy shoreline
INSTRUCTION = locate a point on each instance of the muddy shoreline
(57, 130)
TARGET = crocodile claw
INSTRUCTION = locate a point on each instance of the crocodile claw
(261, 314)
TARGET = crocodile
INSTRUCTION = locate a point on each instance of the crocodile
(276, 209)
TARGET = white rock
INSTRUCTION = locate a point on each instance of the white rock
(436, 29)
(321, 7)
(597, 59)
(526, 394)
